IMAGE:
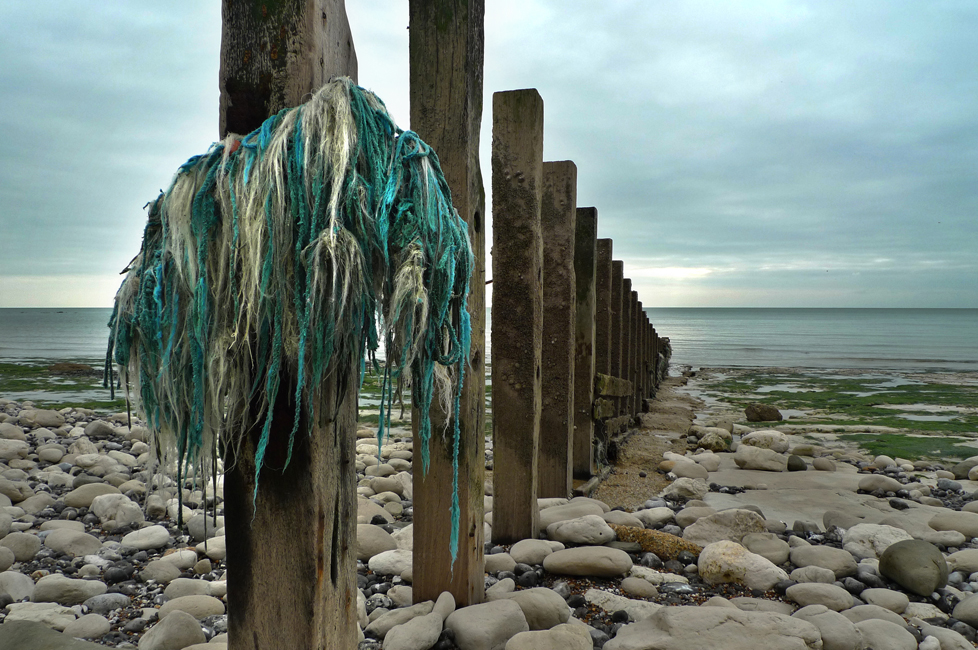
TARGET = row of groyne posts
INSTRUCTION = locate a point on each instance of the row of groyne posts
(574, 357)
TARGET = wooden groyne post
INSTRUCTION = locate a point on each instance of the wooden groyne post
(517, 306)
(291, 560)
(585, 279)
(446, 55)
(558, 216)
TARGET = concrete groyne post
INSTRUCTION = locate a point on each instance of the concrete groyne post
(558, 216)
(585, 278)
(517, 306)
(446, 61)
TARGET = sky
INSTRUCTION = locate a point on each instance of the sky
(740, 154)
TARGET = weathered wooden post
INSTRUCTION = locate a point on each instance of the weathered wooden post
(446, 54)
(627, 341)
(517, 307)
(290, 558)
(558, 214)
(603, 309)
(640, 358)
(636, 353)
(585, 277)
(617, 302)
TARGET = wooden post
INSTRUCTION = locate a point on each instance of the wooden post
(640, 358)
(603, 308)
(446, 53)
(625, 368)
(517, 308)
(636, 353)
(617, 289)
(274, 54)
(558, 216)
(291, 555)
(585, 275)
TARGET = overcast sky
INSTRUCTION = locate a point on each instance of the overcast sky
(762, 153)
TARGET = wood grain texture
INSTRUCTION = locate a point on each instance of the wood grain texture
(585, 276)
(446, 56)
(291, 554)
(274, 54)
(558, 217)
(517, 307)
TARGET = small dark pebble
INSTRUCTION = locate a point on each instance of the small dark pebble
(574, 601)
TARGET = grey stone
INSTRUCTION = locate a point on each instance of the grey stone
(197, 606)
(116, 510)
(879, 482)
(487, 626)
(56, 588)
(715, 628)
(561, 637)
(813, 574)
(887, 598)
(72, 542)
(965, 523)
(51, 614)
(885, 635)
(496, 562)
(840, 562)
(569, 511)
(444, 605)
(729, 525)
(105, 603)
(838, 632)
(687, 488)
(530, 551)
(24, 545)
(767, 545)
(915, 565)
(868, 612)
(6, 558)
(756, 458)
(16, 585)
(90, 626)
(151, 537)
(420, 633)
(727, 561)
(589, 529)
(817, 593)
(186, 587)
(824, 464)
(197, 524)
(31, 635)
(595, 561)
(176, 631)
(373, 540)
(160, 571)
(542, 608)
(967, 611)
(388, 621)
(639, 587)
(393, 562)
(82, 497)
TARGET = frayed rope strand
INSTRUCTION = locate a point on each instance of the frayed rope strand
(277, 261)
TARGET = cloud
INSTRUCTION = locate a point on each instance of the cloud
(768, 143)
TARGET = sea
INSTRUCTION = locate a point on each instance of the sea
(894, 339)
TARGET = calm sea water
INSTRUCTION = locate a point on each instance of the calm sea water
(925, 339)
(896, 339)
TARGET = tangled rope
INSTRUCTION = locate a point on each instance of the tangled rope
(290, 252)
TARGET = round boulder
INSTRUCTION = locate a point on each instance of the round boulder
(915, 565)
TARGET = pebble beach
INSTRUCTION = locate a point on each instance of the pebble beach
(711, 531)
